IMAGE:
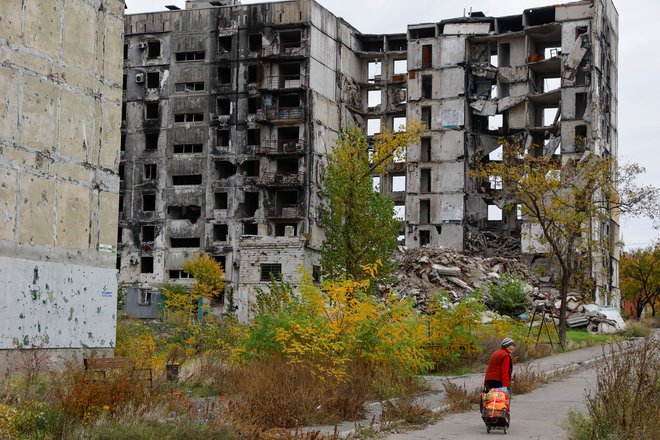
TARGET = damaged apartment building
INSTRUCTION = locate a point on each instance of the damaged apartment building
(230, 110)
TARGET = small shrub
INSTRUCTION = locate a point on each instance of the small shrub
(459, 398)
(509, 297)
(637, 329)
(406, 409)
(526, 380)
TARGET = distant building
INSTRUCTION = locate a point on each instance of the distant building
(230, 110)
(59, 154)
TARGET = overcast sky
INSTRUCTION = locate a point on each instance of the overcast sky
(639, 65)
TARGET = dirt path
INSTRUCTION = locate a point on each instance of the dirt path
(537, 415)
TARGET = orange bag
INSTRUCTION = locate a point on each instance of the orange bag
(496, 399)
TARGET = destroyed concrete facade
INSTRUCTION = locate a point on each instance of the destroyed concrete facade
(60, 71)
(230, 110)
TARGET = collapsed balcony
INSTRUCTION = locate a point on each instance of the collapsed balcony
(281, 179)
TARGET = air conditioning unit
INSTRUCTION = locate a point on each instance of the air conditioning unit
(139, 78)
(142, 46)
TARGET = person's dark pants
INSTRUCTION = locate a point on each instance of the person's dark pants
(487, 387)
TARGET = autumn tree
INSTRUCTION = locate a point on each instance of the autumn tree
(567, 200)
(360, 227)
(640, 278)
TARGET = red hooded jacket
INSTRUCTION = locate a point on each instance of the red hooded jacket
(500, 367)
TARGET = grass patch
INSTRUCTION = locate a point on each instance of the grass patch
(459, 398)
(406, 410)
(525, 380)
(638, 329)
(581, 338)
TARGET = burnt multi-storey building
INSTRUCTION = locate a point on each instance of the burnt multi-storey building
(230, 110)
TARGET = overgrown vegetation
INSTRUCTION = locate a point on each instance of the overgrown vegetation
(640, 279)
(625, 402)
(510, 297)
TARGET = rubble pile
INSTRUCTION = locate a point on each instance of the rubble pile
(425, 270)
(579, 312)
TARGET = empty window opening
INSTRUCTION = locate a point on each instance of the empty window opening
(124, 82)
(579, 30)
(220, 232)
(426, 116)
(224, 106)
(375, 182)
(189, 212)
(250, 228)
(121, 203)
(495, 122)
(580, 137)
(289, 72)
(286, 200)
(400, 66)
(123, 111)
(400, 212)
(509, 24)
(427, 56)
(254, 104)
(253, 136)
(254, 42)
(373, 126)
(425, 149)
(495, 182)
(252, 76)
(425, 32)
(184, 242)
(270, 271)
(150, 171)
(504, 56)
(220, 201)
(224, 169)
(222, 137)
(427, 87)
(221, 260)
(494, 213)
(539, 16)
(287, 136)
(316, 273)
(290, 39)
(287, 166)
(151, 141)
(550, 84)
(550, 115)
(190, 56)
(424, 237)
(398, 183)
(188, 148)
(494, 59)
(493, 91)
(152, 110)
(497, 154)
(153, 80)
(121, 171)
(146, 264)
(125, 52)
(503, 90)
(425, 211)
(148, 202)
(189, 87)
(374, 71)
(153, 49)
(187, 179)
(176, 274)
(148, 233)
(519, 212)
(289, 101)
(250, 168)
(251, 203)
(580, 105)
(189, 117)
(119, 234)
(280, 229)
(224, 44)
(551, 52)
(399, 123)
(425, 181)
(224, 75)
(374, 98)
(144, 297)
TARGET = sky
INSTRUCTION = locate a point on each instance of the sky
(639, 96)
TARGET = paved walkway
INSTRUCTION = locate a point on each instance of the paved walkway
(434, 399)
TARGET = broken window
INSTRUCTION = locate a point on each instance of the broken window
(398, 183)
(250, 228)
(124, 82)
(495, 182)
(373, 126)
(374, 71)
(375, 183)
(426, 149)
(551, 52)
(399, 123)
(425, 181)
(422, 32)
(290, 40)
(144, 297)
(494, 213)
(224, 169)
(153, 49)
(400, 66)
(220, 232)
(123, 111)
(148, 233)
(270, 271)
(316, 273)
(224, 75)
(184, 242)
(281, 229)
(253, 136)
(424, 237)
(250, 168)
(121, 171)
(148, 202)
(580, 137)
(251, 203)
(146, 264)
(287, 166)
(153, 80)
(497, 154)
(427, 87)
(188, 148)
(187, 179)
(122, 143)
(224, 43)
(222, 137)
(285, 101)
(176, 274)
(400, 212)
(580, 105)
(221, 260)
(150, 170)
(504, 56)
(190, 213)
(152, 110)
(125, 52)
(224, 106)
(189, 87)
(427, 56)
(188, 117)
(220, 200)
(252, 74)
(374, 98)
(121, 203)
(190, 56)
(426, 116)
(425, 211)
(254, 42)
(254, 104)
(550, 115)
(151, 141)
(495, 122)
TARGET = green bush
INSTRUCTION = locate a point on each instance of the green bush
(637, 329)
(509, 297)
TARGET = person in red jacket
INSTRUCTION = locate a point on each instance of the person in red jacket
(500, 366)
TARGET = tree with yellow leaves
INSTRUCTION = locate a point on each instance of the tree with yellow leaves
(640, 278)
(360, 227)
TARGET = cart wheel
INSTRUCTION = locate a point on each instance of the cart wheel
(506, 429)
(488, 429)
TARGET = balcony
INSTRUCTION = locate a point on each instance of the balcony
(296, 211)
(281, 180)
(286, 50)
(275, 147)
(282, 115)
(284, 82)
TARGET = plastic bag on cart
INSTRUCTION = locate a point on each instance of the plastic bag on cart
(496, 399)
